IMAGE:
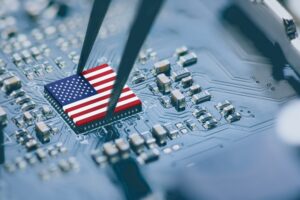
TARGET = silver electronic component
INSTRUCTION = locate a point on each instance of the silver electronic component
(153, 88)
(16, 58)
(137, 143)
(165, 101)
(162, 66)
(110, 150)
(191, 124)
(222, 105)
(188, 59)
(187, 81)
(233, 117)
(41, 154)
(205, 117)
(199, 111)
(160, 133)
(230, 109)
(195, 89)
(17, 93)
(28, 117)
(181, 51)
(180, 74)
(3, 117)
(178, 100)
(28, 106)
(173, 134)
(202, 97)
(22, 99)
(11, 84)
(149, 156)
(277, 24)
(31, 145)
(2, 66)
(163, 83)
(122, 145)
(212, 123)
(43, 131)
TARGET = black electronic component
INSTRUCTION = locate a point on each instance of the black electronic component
(132, 180)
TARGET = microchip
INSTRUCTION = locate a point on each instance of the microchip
(82, 99)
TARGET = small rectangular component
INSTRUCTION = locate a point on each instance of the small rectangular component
(180, 74)
(162, 66)
(178, 99)
(163, 83)
(137, 143)
(209, 124)
(233, 117)
(3, 117)
(181, 51)
(82, 99)
(159, 132)
(11, 84)
(43, 131)
(202, 97)
(122, 145)
(195, 89)
(222, 105)
(199, 111)
(187, 81)
(188, 59)
(110, 150)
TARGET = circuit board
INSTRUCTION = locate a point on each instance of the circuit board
(218, 89)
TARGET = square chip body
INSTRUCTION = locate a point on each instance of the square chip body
(82, 100)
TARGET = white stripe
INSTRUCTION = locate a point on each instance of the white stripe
(104, 109)
(104, 85)
(102, 78)
(76, 103)
(97, 104)
(105, 69)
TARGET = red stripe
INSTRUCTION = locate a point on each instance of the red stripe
(104, 81)
(90, 119)
(94, 69)
(127, 106)
(93, 101)
(100, 106)
(102, 115)
(100, 75)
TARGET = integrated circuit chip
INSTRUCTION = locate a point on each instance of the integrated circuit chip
(82, 99)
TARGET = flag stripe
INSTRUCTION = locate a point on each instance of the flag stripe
(99, 75)
(103, 113)
(94, 69)
(102, 78)
(103, 104)
(92, 99)
(97, 103)
(87, 99)
(104, 85)
(103, 82)
(88, 115)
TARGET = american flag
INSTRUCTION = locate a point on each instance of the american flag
(84, 98)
